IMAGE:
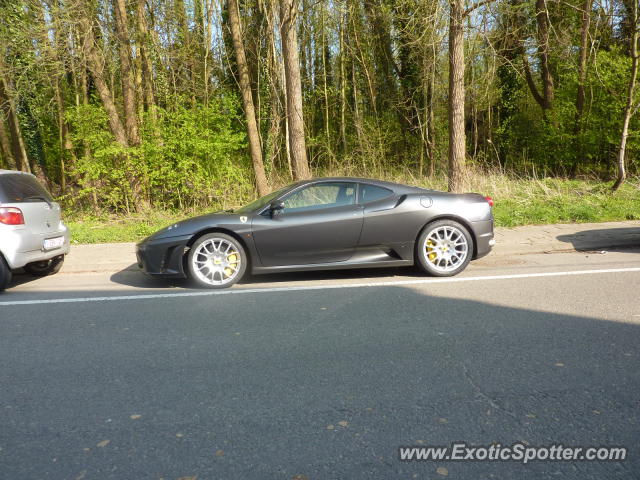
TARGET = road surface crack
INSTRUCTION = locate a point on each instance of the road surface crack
(480, 393)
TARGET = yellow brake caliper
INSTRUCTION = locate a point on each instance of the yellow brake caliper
(232, 259)
(431, 253)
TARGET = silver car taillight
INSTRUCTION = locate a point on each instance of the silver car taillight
(11, 216)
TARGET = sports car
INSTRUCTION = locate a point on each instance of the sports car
(322, 224)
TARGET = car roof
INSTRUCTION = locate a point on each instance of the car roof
(396, 187)
(4, 172)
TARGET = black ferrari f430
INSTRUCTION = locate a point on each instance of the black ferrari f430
(326, 223)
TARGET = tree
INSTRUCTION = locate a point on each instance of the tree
(630, 107)
(457, 135)
(247, 99)
(295, 119)
(126, 72)
(146, 65)
(582, 77)
(5, 145)
(8, 109)
(96, 64)
(544, 99)
(184, 103)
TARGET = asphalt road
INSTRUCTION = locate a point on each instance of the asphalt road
(281, 381)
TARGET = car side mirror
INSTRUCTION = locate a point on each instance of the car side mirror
(276, 207)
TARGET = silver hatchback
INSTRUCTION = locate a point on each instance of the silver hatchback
(32, 234)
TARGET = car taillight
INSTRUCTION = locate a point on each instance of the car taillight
(489, 201)
(11, 216)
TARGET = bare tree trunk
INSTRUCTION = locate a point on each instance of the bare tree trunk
(431, 125)
(275, 76)
(96, 62)
(96, 66)
(126, 73)
(295, 119)
(373, 88)
(544, 98)
(247, 99)
(542, 18)
(18, 149)
(208, 30)
(57, 80)
(357, 117)
(457, 138)
(343, 86)
(5, 145)
(629, 108)
(383, 54)
(64, 137)
(582, 76)
(324, 81)
(430, 120)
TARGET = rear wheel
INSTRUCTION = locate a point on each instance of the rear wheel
(45, 267)
(5, 274)
(216, 260)
(444, 248)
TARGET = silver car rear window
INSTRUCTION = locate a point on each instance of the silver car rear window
(19, 188)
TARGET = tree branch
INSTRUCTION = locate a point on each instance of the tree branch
(475, 6)
(532, 84)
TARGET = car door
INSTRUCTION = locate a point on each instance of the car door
(320, 223)
(383, 224)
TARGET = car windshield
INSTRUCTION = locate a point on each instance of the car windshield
(262, 201)
(20, 188)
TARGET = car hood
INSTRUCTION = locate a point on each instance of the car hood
(232, 221)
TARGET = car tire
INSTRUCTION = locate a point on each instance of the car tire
(444, 248)
(45, 267)
(216, 260)
(5, 274)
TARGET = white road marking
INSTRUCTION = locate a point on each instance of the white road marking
(236, 291)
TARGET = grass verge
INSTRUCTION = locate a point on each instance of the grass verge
(519, 201)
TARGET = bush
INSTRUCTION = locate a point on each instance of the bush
(192, 155)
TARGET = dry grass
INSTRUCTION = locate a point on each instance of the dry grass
(519, 201)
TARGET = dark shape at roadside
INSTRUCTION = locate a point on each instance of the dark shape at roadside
(604, 239)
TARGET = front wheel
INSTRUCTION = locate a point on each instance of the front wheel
(45, 267)
(444, 248)
(216, 260)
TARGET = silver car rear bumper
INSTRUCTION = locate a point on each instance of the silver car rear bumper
(20, 246)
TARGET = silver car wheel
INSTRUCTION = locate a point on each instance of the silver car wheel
(446, 248)
(216, 261)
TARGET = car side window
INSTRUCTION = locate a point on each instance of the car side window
(370, 193)
(321, 195)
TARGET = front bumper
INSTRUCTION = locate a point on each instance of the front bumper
(163, 257)
(17, 246)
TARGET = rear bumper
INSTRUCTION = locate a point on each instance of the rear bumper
(16, 245)
(162, 257)
(483, 231)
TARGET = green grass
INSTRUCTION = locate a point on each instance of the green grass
(113, 229)
(568, 202)
(519, 201)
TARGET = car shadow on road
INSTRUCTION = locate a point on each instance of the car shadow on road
(610, 239)
(20, 277)
(132, 277)
(356, 373)
(347, 274)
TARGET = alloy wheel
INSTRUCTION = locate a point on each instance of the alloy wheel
(446, 248)
(216, 261)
